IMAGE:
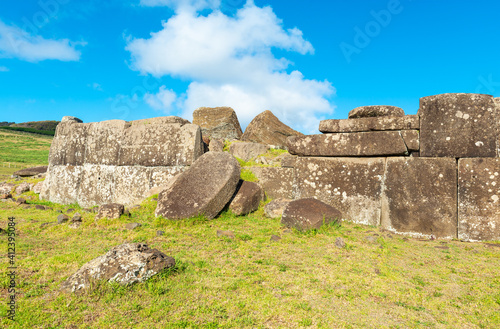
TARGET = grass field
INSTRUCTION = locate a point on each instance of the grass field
(378, 280)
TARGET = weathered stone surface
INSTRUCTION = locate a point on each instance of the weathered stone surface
(276, 182)
(126, 264)
(247, 151)
(96, 185)
(61, 219)
(411, 139)
(420, 197)
(218, 122)
(247, 198)
(130, 184)
(6, 188)
(204, 189)
(351, 185)
(479, 199)
(33, 171)
(226, 234)
(216, 145)
(287, 160)
(305, 214)
(110, 211)
(68, 145)
(5, 196)
(376, 111)
(274, 209)
(20, 201)
(458, 125)
(383, 123)
(267, 129)
(71, 119)
(132, 226)
(23, 187)
(375, 143)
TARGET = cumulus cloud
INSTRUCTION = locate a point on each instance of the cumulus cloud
(229, 61)
(17, 43)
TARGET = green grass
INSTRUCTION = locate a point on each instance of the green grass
(30, 130)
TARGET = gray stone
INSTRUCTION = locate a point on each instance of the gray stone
(132, 226)
(218, 122)
(287, 160)
(20, 201)
(376, 111)
(247, 151)
(274, 209)
(420, 197)
(125, 264)
(204, 189)
(77, 217)
(216, 145)
(247, 198)
(62, 219)
(39, 207)
(339, 243)
(226, 234)
(38, 187)
(32, 171)
(305, 214)
(6, 188)
(479, 199)
(383, 123)
(458, 125)
(375, 143)
(276, 182)
(110, 211)
(23, 187)
(74, 225)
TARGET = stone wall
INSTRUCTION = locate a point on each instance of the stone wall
(117, 161)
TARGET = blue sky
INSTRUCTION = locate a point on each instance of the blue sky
(304, 61)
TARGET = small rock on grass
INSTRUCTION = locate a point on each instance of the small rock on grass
(227, 234)
(132, 226)
(275, 238)
(62, 219)
(160, 233)
(39, 207)
(339, 243)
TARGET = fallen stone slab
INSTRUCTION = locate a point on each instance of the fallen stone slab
(22, 188)
(204, 189)
(458, 126)
(383, 123)
(247, 151)
(376, 111)
(479, 199)
(247, 198)
(110, 211)
(276, 182)
(306, 214)
(274, 209)
(375, 143)
(125, 264)
(420, 197)
(267, 129)
(29, 172)
(218, 122)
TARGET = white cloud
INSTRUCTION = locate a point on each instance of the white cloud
(17, 43)
(4, 69)
(189, 5)
(229, 62)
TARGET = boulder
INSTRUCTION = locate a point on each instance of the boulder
(458, 126)
(479, 199)
(267, 129)
(375, 143)
(306, 214)
(20, 201)
(125, 264)
(216, 145)
(247, 198)
(247, 151)
(204, 189)
(23, 187)
(6, 188)
(383, 123)
(376, 111)
(274, 209)
(62, 219)
(71, 119)
(276, 182)
(218, 122)
(38, 187)
(5, 196)
(29, 172)
(110, 211)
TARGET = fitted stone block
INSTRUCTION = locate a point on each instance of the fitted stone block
(276, 182)
(376, 143)
(61, 184)
(458, 125)
(411, 139)
(479, 199)
(352, 185)
(97, 185)
(420, 197)
(69, 143)
(370, 124)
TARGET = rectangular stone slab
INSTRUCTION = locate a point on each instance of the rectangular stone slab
(352, 185)
(420, 197)
(479, 199)
(370, 124)
(375, 143)
(412, 139)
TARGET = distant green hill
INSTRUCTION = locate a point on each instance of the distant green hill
(36, 127)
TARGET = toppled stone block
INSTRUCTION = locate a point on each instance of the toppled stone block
(306, 214)
(247, 151)
(267, 129)
(351, 185)
(376, 143)
(479, 199)
(23, 187)
(376, 111)
(420, 197)
(383, 123)
(218, 122)
(110, 211)
(247, 198)
(276, 182)
(458, 125)
(29, 172)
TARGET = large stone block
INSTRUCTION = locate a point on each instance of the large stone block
(376, 111)
(458, 125)
(218, 122)
(69, 143)
(376, 143)
(420, 197)
(97, 185)
(61, 184)
(247, 151)
(352, 185)
(104, 141)
(383, 123)
(131, 183)
(479, 199)
(276, 182)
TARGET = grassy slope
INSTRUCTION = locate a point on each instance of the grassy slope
(303, 280)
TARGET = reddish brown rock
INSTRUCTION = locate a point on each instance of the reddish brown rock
(420, 197)
(479, 199)
(458, 125)
(376, 143)
(276, 182)
(376, 111)
(218, 122)
(267, 129)
(29, 172)
(247, 151)
(110, 211)
(370, 124)
(306, 214)
(247, 198)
